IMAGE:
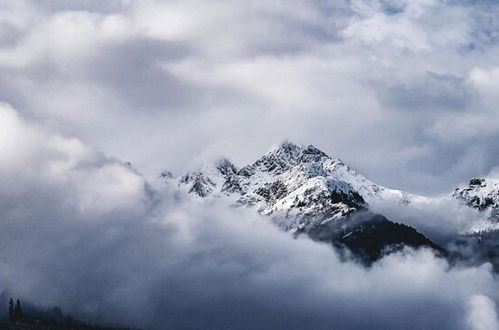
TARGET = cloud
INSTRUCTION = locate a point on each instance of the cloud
(376, 83)
(88, 233)
(404, 91)
(441, 218)
(482, 313)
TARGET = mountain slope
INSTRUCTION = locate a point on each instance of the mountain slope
(369, 236)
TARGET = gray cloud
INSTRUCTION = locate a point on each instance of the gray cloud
(86, 232)
(389, 86)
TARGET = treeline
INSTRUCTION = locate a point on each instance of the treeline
(16, 313)
(20, 318)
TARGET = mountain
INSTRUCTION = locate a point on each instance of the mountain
(282, 159)
(306, 191)
(368, 237)
(481, 194)
(291, 181)
(481, 243)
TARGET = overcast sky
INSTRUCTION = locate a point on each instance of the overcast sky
(404, 91)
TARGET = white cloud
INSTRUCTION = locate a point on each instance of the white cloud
(376, 83)
(482, 313)
(93, 183)
(485, 80)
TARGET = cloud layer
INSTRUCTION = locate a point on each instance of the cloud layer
(86, 232)
(404, 91)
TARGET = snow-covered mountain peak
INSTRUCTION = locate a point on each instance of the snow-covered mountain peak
(284, 157)
(209, 178)
(294, 153)
(483, 195)
(286, 149)
(291, 179)
(306, 191)
(225, 167)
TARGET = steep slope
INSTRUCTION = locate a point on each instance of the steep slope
(306, 191)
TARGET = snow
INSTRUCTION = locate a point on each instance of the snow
(483, 195)
(294, 180)
(303, 187)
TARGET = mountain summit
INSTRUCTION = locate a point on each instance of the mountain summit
(292, 179)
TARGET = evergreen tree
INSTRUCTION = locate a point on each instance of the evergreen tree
(11, 310)
(18, 311)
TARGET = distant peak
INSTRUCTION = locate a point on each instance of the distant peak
(313, 150)
(223, 161)
(225, 166)
(476, 181)
(294, 150)
(286, 147)
(165, 174)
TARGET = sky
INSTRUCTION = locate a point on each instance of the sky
(403, 91)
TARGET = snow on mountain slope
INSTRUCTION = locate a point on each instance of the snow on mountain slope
(301, 184)
(304, 190)
(481, 194)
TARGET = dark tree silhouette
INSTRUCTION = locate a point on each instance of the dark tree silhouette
(18, 311)
(11, 310)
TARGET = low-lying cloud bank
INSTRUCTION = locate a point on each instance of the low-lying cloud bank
(86, 232)
(440, 218)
